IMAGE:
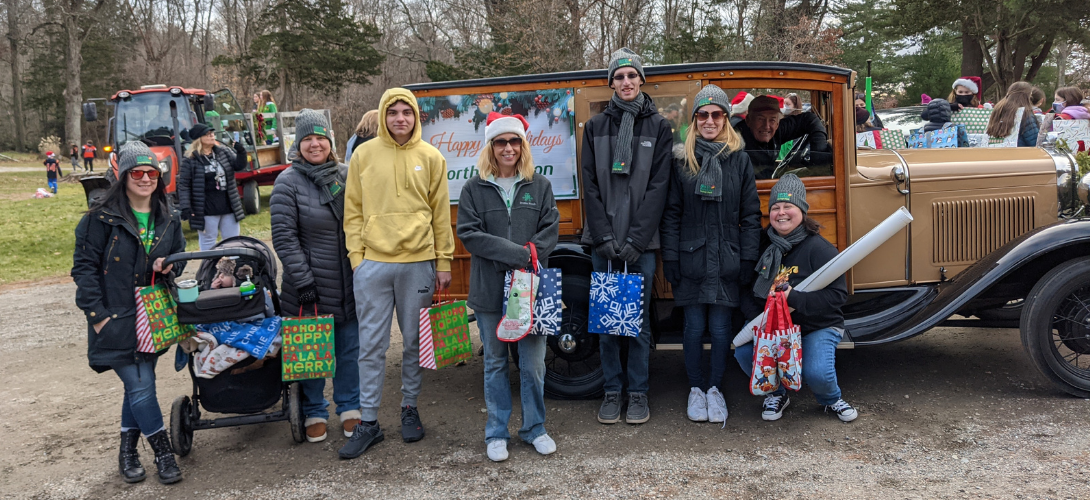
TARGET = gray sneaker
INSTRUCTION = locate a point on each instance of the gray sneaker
(638, 412)
(610, 412)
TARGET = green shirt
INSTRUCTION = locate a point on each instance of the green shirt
(268, 113)
(146, 227)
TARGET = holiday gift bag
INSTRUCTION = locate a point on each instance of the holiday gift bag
(616, 303)
(867, 140)
(974, 119)
(891, 139)
(444, 334)
(766, 373)
(157, 325)
(548, 306)
(520, 291)
(788, 341)
(307, 347)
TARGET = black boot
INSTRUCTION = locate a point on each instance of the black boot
(169, 472)
(128, 460)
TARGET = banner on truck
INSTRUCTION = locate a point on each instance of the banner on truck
(455, 125)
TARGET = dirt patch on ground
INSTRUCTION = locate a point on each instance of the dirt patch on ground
(955, 412)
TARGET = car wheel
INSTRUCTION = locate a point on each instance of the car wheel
(1056, 326)
(573, 367)
(251, 198)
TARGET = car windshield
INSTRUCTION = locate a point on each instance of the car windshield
(147, 116)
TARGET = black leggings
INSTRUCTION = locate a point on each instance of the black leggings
(89, 164)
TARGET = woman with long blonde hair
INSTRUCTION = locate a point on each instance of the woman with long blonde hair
(710, 233)
(365, 131)
(501, 210)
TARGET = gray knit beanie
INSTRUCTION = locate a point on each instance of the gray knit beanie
(624, 57)
(711, 94)
(311, 122)
(790, 189)
(132, 154)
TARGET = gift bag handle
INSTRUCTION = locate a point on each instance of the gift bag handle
(315, 310)
(535, 266)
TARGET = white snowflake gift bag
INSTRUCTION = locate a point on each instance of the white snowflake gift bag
(616, 303)
(548, 304)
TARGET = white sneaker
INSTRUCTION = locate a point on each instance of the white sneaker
(497, 450)
(844, 411)
(698, 405)
(545, 445)
(717, 406)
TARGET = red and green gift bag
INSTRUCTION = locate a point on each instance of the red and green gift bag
(307, 349)
(444, 335)
(157, 325)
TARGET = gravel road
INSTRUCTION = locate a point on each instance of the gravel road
(957, 412)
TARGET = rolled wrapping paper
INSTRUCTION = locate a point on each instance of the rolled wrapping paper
(839, 265)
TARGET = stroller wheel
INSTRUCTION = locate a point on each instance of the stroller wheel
(295, 412)
(181, 425)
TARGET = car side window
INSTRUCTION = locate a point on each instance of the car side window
(798, 142)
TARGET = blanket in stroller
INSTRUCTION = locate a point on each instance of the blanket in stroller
(223, 345)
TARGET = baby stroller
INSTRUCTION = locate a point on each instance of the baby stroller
(247, 393)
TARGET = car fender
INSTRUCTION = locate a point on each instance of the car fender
(1018, 262)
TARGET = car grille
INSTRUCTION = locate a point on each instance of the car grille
(967, 230)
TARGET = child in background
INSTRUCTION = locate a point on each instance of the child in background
(89, 156)
(52, 170)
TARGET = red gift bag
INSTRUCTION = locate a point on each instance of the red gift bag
(777, 349)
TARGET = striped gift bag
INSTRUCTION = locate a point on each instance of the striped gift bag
(157, 325)
(444, 335)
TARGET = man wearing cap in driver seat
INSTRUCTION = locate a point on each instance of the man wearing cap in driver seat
(765, 129)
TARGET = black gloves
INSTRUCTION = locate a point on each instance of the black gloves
(747, 275)
(607, 250)
(671, 270)
(240, 156)
(308, 295)
(629, 253)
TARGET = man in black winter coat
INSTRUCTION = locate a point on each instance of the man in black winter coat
(765, 130)
(626, 173)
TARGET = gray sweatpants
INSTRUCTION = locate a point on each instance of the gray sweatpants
(381, 288)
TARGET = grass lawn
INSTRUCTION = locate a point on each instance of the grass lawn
(38, 235)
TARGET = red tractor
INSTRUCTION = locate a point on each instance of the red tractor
(161, 117)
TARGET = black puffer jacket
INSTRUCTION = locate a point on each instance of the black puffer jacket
(109, 262)
(627, 208)
(710, 238)
(191, 186)
(309, 240)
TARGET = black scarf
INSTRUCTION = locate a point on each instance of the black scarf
(325, 176)
(769, 264)
(622, 155)
(709, 181)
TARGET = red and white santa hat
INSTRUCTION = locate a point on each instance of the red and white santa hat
(972, 83)
(498, 124)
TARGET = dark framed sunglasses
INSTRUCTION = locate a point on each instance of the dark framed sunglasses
(139, 174)
(515, 142)
(704, 115)
(628, 76)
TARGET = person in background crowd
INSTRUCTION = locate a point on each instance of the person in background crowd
(307, 213)
(1068, 100)
(873, 118)
(257, 102)
(713, 201)
(89, 156)
(52, 170)
(966, 93)
(207, 192)
(862, 121)
(626, 173)
(677, 125)
(1038, 97)
(924, 100)
(73, 153)
(365, 131)
(937, 113)
(501, 210)
(268, 113)
(397, 231)
(765, 130)
(1019, 96)
(791, 105)
(792, 244)
(121, 242)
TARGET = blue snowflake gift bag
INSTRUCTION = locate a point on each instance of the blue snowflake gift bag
(616, 303)
(548, 306)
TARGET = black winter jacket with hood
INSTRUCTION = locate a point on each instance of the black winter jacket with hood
(309, 240)
(191, 185)
(109, 262)
(709, 239)
(626, 208)
(495, 237)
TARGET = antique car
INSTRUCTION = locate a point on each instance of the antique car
(997, 239)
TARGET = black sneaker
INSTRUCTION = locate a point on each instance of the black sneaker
(411, 428)
(363, 436)
(774, 406)
(843, 410)
(638, 412)
(610, 411)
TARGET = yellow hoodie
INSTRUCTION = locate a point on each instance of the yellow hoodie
(397, 207)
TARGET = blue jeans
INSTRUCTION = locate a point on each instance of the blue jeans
(818, 364)
(497, 385)
(346, 378)
(717, 321)
(140, 408)
(639, 348)
(53, 185)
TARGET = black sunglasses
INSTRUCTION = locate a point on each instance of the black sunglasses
(629, 76)
(502, 143)
(703, 115)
